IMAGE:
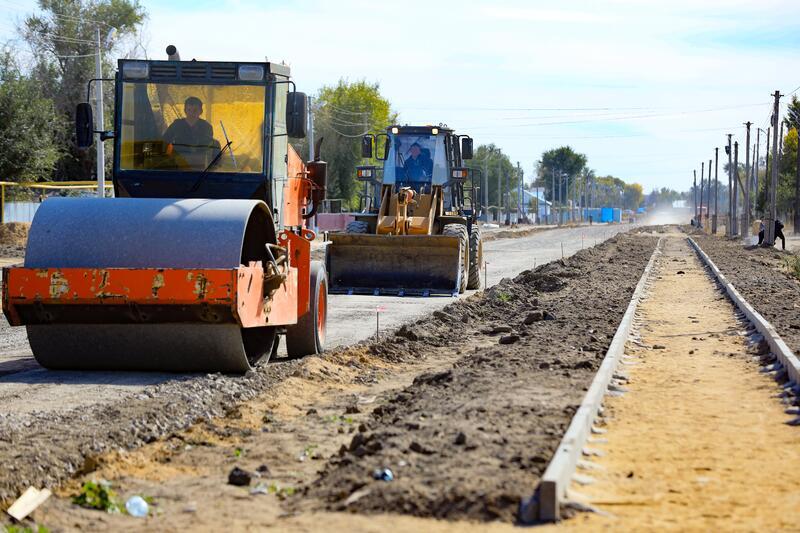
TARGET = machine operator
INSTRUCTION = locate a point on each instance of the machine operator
(191, 138)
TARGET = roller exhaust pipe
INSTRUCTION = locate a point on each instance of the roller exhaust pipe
(172, 53)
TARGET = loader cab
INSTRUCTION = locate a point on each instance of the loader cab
(196, 129)
(417, 157)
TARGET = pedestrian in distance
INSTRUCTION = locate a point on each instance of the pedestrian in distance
(778, 233)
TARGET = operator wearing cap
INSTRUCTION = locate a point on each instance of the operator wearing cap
(419, 165)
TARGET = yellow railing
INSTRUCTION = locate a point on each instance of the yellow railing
(48, 185)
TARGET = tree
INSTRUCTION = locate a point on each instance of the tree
(496, 167)
(632, 195)
(343, 113)
(792, 119)
(27, 148)
(560, 165)
(63, 42)
(787, 172)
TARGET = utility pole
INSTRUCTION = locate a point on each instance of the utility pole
(735, 224)
(769, 222)
(499, 191)
(702, 191)
(694, 190)
(708, 196)
(716, 190)
(553, 192)
(747, 185)
(756, 163)
(99, 120)
(485, 187)
(766, 176)
(729, 223)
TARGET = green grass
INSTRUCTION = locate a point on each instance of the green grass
(504, 297)
(25, 529)
(97, 495)
(792, 264)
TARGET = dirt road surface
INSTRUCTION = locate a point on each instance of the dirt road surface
(27, 388)
(700, 442)
(465, 420)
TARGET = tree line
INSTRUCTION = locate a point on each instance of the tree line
(565, 176)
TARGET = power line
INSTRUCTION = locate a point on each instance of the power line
(77, 55)
(627, 117)
(26, 9)
(348, 135)
(345, 111)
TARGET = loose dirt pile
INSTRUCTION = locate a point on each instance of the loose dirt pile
(761, 276)
(13, 238)
(498, 377)
(471, 441)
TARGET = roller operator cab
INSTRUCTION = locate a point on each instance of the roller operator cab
(202, 260)
(416, 231)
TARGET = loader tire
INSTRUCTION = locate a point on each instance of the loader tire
(356, 226)
(460, 231)
(475, 257)
(307, 337)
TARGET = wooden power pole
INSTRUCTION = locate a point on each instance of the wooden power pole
(747, 184)
(716, 190)
(771, 211)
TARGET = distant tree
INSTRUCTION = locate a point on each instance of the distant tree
(792, 119)
(561, 165)
(343, 113)
(62, 39)
(633, 195)
(27, 146)
(495, 166)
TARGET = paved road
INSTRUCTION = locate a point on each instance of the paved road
(25, 387)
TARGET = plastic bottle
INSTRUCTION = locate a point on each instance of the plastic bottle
(136, 506)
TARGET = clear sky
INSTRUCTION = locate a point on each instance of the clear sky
(646, 89)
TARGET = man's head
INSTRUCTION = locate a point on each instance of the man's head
(415, 150)
(193, 108)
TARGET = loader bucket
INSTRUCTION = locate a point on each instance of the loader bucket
(414, 265)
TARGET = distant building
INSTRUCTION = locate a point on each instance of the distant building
(535, 202)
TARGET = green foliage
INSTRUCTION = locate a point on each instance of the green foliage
(792, 119)
(663, 197)
(560, 165)
(63, 40)
(496, 166)
(792, 264)
(504, 297)
(24, 529)
(343, 113)
(97, 495)
(632, 196)
(27, 147)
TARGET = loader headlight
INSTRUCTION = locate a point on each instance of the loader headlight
(136, 69)
(434, 131)
(395, 130)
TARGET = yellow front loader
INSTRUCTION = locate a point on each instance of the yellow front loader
(423, 238)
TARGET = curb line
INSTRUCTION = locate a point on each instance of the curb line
(784, 354)
(545, 503)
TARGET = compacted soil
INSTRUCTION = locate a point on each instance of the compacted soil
(763, 278)
(464, 406)
(676, 456)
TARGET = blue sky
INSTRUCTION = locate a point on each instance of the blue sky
(646, 89)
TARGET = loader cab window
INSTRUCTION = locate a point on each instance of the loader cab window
(416, 161)
(182, 127)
